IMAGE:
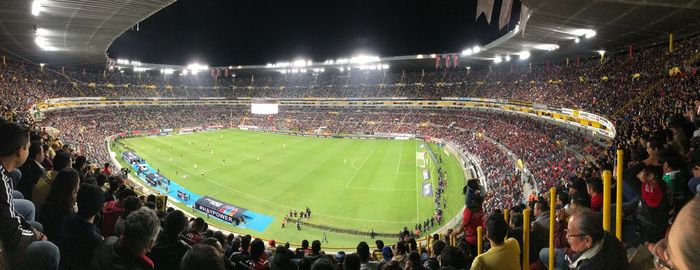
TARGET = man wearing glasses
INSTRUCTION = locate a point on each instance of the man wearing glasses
(593, 248)
(679, 250)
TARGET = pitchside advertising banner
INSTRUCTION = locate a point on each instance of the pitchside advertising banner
(220, 210)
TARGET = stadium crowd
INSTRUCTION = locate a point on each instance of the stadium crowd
(61, 211)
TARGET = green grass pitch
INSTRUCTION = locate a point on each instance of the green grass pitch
(357, 184)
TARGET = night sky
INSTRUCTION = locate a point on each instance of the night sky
(254, 32)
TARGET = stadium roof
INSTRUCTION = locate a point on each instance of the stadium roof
(78, 33)
(69, 33)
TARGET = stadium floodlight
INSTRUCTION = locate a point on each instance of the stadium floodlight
(185, 72)
(299, 63)
(385, 66)
(44, 44)
(269, 65)
(230, 67)
(497, 59)
(507, 58)
(240, 67)
(432, 55)
(476, 49)
(140, 69)
(36, 7)
(309, 62)
(41, 32)
(342, 69)
(420, 56)
(524, 55)
(467, 52)
(195, 68)
(342, 61)
(590, 34)
(42, 64)
(577, 40)
(601, 52)
(363, 59)
(544, 46)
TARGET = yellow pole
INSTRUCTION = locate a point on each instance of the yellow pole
(552, 202)
(607, 179)
(3, 61)
(505, 215)
(526, 239)
(618, 199)
(670, 42)
(420, 246)
(479, 240)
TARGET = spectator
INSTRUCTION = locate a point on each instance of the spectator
(315, 253)
(694, 182)
(652, 214)
(324, 262)
(593, 248)
(539, 232)
(504, 253)
(169, 248)
(24, 244)
(679, 249)
(110, 195)
(364, 256)
(675, 179)
(60, 161)
(113, 210)
(106, 169)
(282, 260)
(202, 256)
(194, 235)
(241, 259)
(473, 215)
(595, 190)
(413, 262)
(377, 253)
(80, 236)
(31, 170)
(258, 255)
(387, 254)
(432, 263)
(129, 251)
(131, 204)
(59, 204)
(452, 258)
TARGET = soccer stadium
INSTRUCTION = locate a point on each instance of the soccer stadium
(349, 135)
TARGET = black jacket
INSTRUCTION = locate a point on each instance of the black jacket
(31, 173)
(77, 243)
(612, 256)
(112, 255)
(168, 251)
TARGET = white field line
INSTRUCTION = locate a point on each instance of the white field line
(419, 184)
(383, 189)
(361, 165)
(398, 165)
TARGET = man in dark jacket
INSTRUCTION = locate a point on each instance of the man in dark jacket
(31, 170)
(24, 245)
(80, 236)
(129, 251)
(594, 248)
(169, 247)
